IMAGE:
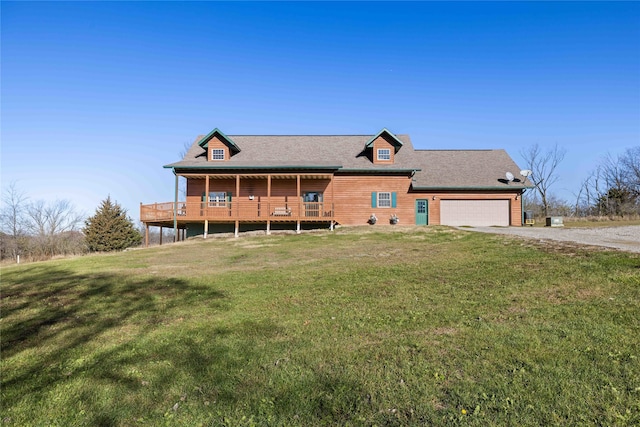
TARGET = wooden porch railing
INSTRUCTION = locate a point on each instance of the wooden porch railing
(238, 210)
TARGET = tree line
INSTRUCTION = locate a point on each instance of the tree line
(37, 230)
(611, 190)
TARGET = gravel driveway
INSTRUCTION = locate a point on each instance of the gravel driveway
(626, 238)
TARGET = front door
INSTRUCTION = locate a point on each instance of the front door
(422, 212)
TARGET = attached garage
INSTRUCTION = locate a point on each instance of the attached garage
(475, 213)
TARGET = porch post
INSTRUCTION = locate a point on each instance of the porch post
(333, 208)
(206, 206)
(175, 210)
(235, 234)
(268, 204)
(299, 203)
(237, 204)
(237, 190)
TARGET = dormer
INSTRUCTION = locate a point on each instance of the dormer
(219, 146)
(383, 147)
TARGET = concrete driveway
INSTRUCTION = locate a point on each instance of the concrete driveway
(626, 238)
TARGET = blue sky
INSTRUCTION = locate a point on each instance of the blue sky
(97, 97)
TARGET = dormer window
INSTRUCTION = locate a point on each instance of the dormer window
(382, 148)
(218, 145)
(384, 154)
(217, 154)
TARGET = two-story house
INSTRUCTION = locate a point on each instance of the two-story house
(248, 182)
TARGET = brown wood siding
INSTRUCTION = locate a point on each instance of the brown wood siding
(215, 142)
(255, 187)
(196, 187)
(319, 185)
(350, 196)
(352, 199)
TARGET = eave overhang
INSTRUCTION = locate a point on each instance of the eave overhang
(381, 170)
(204, 141)
(394, 140)
(245, 167)
(468, 188)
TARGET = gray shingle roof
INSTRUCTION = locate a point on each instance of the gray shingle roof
(434, 168)
(466, 169)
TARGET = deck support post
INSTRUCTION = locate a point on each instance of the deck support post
(146, 235)
(206, 228)
(331, 226)
(237, 229)
(161, 231)
(268, 227)
(298, 227)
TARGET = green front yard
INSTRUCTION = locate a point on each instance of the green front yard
(403, 326)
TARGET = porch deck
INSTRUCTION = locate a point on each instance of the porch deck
(243, 211)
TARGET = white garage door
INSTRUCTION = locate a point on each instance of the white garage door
(475, 213)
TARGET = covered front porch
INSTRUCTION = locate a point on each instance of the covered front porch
(246, 198)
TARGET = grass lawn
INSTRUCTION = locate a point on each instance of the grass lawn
(399, 326)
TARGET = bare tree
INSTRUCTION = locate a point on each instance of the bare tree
(589, 194)
(51, 225)
(612, 172)
(613, 188)
(622, 191)
(543, 166)
(630, 165)
(13, 220)
(38, 229)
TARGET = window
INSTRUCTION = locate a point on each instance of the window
(217, 199)
(312, 197)
(384, 200)
(217, 154)
(384, 154)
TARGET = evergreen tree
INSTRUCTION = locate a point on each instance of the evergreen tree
(110, 229)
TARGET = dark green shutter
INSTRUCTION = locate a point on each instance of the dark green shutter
(393, 199)
(229, 197)
(374, 199)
